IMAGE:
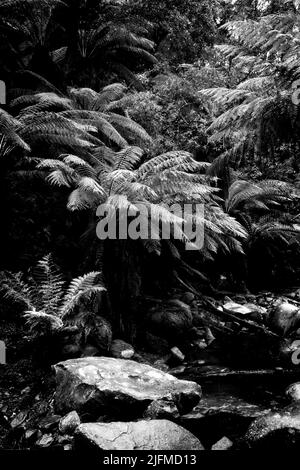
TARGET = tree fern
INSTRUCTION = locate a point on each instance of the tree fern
(122, 184)
(9, 134)
(258, 114)
(101, 45)
(263, 195)
(75, 122)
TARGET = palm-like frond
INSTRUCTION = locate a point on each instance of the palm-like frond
(9, 136)
(109, 94)
(244, 195)
(107, 45)
(79, 122)
(259, 114)
(121, 184)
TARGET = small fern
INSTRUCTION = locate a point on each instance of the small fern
(46, 300)
(83, 287)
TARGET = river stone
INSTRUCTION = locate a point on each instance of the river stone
(223, 444)
(30, 435)
(162, 409)
(45, 441)
(19, 419)
(234, 307)
(277, 430)
(118, 388)
(49, 422)
(293, 392)
(172, 320)
(140, 435)
(284, 317)
(121, 349)
(69, 423)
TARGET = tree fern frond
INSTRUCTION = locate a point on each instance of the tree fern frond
(127, 158)
(100, 121)
(108, 94)
(164, 161)
(9, 131)
(119, 202)
(227, 96)
(82, 199)
(82, 167)
(89, 184)
(260, 195)
(132, 129)
(58, 178)
(256, 84)
(228, 50)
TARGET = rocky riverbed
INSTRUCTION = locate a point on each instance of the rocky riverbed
(136, 406)
(152, 401)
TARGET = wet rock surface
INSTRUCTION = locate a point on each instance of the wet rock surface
(69, 423)
(243, 406)
(141, 435)
(284, 317)
(223, 444)
(121, 349)
(160, 409)
(220, 414)
(118, 387)
(276, 430)
(293, 392)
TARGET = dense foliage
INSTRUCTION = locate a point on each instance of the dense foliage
(147, 104)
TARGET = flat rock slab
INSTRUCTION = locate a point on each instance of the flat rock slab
(118, 388)
(140, 435)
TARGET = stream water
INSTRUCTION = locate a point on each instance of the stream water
(232, 399)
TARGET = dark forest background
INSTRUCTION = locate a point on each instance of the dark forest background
(116, 102)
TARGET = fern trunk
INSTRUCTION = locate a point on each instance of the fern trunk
(123, 275)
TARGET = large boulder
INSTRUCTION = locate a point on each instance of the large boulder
(276, 430)
(140, 435)
(284, 318)
(293, 392)
(118, 388)
(172, 320)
